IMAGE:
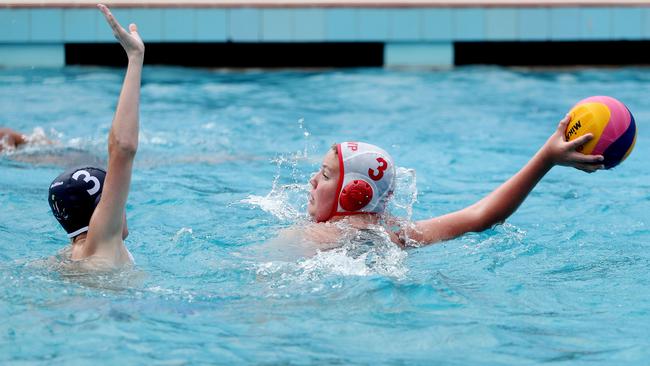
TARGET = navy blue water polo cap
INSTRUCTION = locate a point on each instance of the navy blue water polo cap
(73, 196)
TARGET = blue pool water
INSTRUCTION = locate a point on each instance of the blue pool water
(221, 171)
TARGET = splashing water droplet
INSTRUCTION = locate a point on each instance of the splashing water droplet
(405, 194)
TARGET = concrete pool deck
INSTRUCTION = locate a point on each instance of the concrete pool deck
(414, 33)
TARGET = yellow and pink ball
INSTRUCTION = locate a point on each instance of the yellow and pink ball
(612, 125)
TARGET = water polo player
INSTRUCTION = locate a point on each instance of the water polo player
(356, 180)
(90, 203)
(10, 139)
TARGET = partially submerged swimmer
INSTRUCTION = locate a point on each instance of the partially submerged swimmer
(89, 202)
(356, 181)
(10, 139)
(37, 149)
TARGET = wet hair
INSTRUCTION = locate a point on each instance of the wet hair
(334, 148)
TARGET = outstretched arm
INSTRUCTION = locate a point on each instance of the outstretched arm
(503, 201)
(108, 220)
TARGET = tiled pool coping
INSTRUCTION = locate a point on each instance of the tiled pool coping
(324, 3)
(422, 31)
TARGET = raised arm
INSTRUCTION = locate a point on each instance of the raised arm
(108, 220)
(503, 201)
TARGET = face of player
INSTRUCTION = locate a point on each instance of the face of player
(324, 185)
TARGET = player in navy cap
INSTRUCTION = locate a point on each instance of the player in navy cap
(73, 197)
(89, 202)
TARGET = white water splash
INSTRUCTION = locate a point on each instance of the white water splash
(282, 201)
(38, 137)
(405, 194)
(301, 124)
(185, 231)
(360, 253)
(287, 202)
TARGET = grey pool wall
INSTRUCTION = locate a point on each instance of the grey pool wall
(409, 34)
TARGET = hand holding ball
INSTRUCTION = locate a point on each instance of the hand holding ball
(611, 124)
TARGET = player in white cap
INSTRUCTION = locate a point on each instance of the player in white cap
(356, 180)
(364, 179)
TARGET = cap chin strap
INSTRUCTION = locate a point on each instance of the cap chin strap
(352, 213)
(77, 232)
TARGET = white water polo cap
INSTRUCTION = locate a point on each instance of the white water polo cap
(366, 179)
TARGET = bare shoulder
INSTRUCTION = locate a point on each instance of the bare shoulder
(324, 234)
(106, 256)
(305, 240)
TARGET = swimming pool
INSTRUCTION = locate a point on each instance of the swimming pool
(222, 168)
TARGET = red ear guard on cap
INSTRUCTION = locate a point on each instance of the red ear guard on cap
(355, 195)
(366, 178)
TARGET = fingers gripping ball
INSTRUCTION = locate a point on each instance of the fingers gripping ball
(356, 195)
(611, 124)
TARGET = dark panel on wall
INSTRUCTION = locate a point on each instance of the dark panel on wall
(233, 54)
(553, 53)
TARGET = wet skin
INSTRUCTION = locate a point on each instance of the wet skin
(323, 188)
